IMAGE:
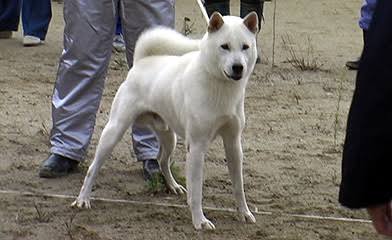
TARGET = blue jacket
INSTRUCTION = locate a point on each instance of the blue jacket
(367, 11)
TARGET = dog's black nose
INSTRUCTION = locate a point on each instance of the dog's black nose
(237, 69)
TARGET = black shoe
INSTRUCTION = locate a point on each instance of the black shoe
(258, 60)
(57, 166)
(150, 168)
(352, 65)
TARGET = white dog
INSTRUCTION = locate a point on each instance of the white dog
(192, 88)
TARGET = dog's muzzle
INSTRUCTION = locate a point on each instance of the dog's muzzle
(236, 72)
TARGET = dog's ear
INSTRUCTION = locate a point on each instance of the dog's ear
(216, 22)
(251, 21)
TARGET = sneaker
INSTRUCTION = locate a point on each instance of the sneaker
(57, 166)
(150, 168)
(5, 34)
(352, 65)
(118, 43)
(31, 41)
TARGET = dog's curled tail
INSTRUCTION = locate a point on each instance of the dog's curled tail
(163, 41)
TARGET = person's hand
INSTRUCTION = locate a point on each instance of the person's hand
(381, 216)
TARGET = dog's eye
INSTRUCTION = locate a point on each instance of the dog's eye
(245, 46)
(225, 46)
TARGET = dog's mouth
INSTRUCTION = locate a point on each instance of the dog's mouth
(234, 77)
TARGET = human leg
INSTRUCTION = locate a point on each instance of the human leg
(88, 35)
(248, 6)
(221, 6)
(118, 39)
(36, 16)
(9, 17)
(137, 16)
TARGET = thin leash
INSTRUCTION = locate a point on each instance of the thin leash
(203, 11)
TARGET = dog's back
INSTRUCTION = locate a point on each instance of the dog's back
(161, 41)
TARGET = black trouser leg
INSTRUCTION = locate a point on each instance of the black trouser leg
(221, 6)
(248, 6)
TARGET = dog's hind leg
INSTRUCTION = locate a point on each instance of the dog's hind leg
(234, 156)
(168, 139)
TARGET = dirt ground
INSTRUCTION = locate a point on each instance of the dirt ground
(292, 141)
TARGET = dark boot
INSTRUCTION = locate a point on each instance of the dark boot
(354, 65)
(150, 169)
(57, 166)
(223, 7)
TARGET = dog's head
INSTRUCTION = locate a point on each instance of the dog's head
(230, 46)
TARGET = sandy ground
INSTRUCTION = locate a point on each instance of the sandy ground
(292, 141)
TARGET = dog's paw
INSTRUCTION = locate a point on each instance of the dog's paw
(203, 224)
(177, 189)
(247, 217)
(81, 203)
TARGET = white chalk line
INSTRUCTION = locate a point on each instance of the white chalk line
(109, 200)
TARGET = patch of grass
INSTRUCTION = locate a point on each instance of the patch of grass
(187, 27)
(157, 184)
(177, 175)
(44, 129)
(337, 112)
(69, 226)
(303, 59)
(42, 216)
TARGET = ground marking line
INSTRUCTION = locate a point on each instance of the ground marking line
(303, 216)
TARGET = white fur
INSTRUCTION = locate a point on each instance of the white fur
(185, 87)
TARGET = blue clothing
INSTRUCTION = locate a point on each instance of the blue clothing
(367, 11)
(36, 16)
(145, 143)
(9, 15)
(118, 26)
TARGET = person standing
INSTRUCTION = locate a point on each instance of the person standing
(36, 16)
(88, 37)
(367, 164)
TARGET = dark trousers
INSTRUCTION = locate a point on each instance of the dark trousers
(247, 6)
(118, 26)
(36, 16)
(9, 15)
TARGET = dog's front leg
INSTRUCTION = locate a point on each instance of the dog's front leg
(109, 138)
(104, 148)
(194, 182)
(234, 157)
